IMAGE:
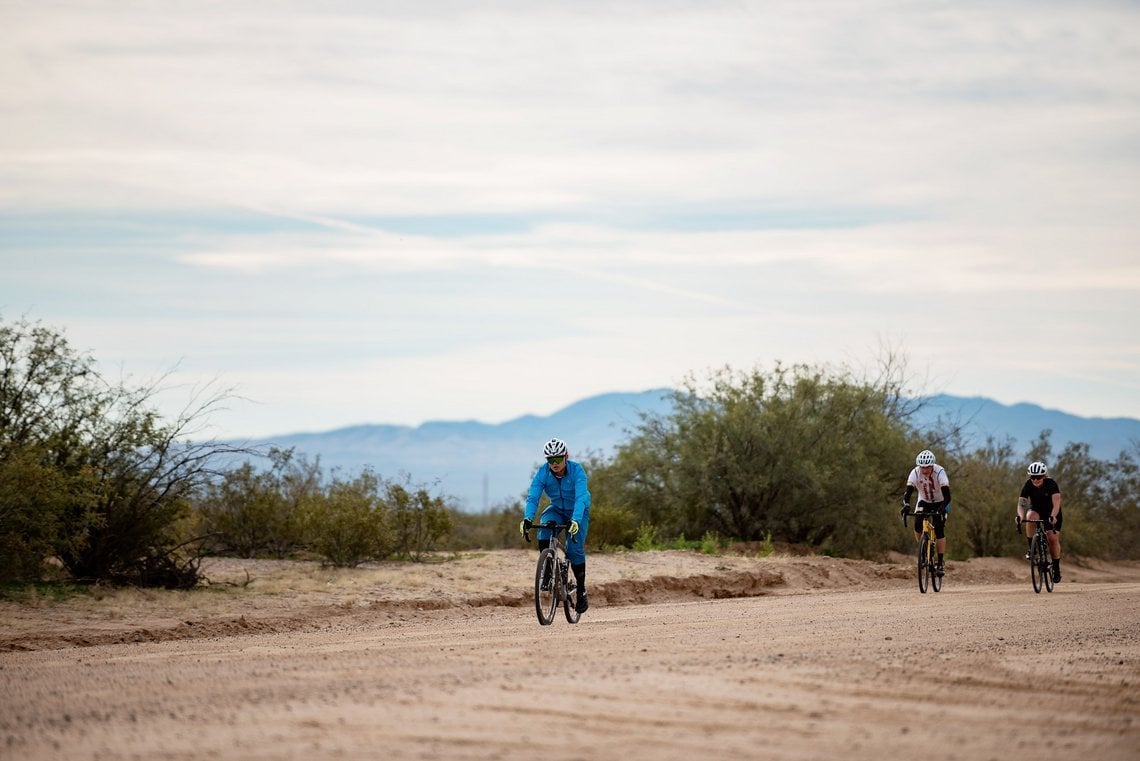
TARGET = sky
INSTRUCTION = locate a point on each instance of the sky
(393, 212)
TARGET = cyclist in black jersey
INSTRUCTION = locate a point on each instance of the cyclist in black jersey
(1040, 499)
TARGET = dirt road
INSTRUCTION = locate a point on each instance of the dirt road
(801, 671)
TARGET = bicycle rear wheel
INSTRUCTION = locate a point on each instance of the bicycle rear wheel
(1036, 569)
(923, 568)
(545, 587)
(570, 598)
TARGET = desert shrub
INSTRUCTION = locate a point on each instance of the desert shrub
(984, 486)
(497, 528)
(89, 471)
(347, 521)
(611, 527)
(417, 521)
(248, 512)
(808, 455)
(646, 538)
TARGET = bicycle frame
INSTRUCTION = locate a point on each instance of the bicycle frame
(1040, 560)
(927, 554)
(553, 582)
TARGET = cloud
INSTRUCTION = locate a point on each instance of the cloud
(541, 108)
(322, 197)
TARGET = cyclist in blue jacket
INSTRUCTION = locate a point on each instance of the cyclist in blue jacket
(564, 481)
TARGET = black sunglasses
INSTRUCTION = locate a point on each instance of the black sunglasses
(556, 460)
(1037, 478)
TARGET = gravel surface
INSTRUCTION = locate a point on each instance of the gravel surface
(681, 656)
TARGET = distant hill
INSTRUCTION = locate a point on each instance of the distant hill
(482, 465)
(981, 417)
(487, 465)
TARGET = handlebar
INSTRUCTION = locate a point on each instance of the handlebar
(920, 515)
(1047, 521)
(555, 527)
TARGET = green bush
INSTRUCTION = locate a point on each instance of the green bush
(808, 456)
(418, 522)
(89, 472)
(711, 544)
(611, 527)
(646, 538)
(494, 529)
(249, 512)
(347, 522)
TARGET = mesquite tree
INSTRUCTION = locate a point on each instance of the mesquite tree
(90, 473)
(802, 454)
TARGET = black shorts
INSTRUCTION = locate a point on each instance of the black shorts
(1056, 524)
(936, 511)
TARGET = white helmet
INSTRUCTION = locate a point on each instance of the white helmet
(1036, 469)
(925, 457)
(554, 448)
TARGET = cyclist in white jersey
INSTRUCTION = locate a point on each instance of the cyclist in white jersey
(933, 486)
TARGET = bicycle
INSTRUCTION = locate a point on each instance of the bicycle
(553, 582)
(1040, 561)
(929, 574)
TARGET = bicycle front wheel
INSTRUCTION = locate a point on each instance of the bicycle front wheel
(924, 569)
(932, 564)
(1046, 566)
(1037, 571)
(545, 587)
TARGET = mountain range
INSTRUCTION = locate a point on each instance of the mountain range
(484, 465)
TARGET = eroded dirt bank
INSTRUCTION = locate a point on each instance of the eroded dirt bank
(264, 596)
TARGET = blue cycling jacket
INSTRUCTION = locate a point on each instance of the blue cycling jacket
(569, 495)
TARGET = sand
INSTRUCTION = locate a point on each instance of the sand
(681, 656)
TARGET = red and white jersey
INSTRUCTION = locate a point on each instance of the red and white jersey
(929, 487)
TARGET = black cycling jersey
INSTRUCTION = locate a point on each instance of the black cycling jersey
(1041, 497)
